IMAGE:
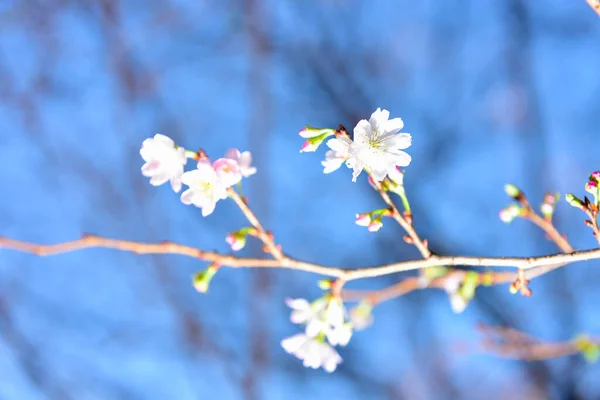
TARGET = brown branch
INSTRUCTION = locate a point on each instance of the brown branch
(87, 241)
(595, 4)
(513, 344)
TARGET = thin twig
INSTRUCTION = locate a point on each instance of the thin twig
(410, 230)
(510, 343)
(262, 234)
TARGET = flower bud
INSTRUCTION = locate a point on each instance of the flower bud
(202, 279)
(595, 176)
(363, 219)
(513, 191)
(575, 201)
(592, 188)
(469, 285)
(310, 132)
(236, 240)
(375, 224)
(509, 213)
(314, 138)
(324, 284)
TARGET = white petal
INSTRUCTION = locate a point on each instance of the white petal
(393, 125)
(357, 167)
(297, 304)
(293, 343)
(378, 120)
(400, 141)
(208, 208)
(339, 145)
(362, 131)
(176, 184)
(164, 140)
(314, 327)
(402, 159)
(159, 179)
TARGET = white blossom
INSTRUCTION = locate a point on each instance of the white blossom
(378, 146)
(339, 153)
(164, 161)
(314, 352)
(205, 188)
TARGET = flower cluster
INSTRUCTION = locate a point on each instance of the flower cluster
(208, 182)
(326, 325)
(376, 146)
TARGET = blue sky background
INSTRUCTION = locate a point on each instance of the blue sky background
(492, 92)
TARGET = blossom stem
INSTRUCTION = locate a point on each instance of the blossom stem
(261, 233)
(419, 244)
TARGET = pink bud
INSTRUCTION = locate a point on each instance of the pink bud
(363, 219)
(595, 176)
(308, 146)
(375, 225)
(236, 241)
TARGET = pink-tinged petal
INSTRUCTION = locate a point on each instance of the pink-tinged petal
(308, 147)
(375, 225)
(233, 154)
(150, 167)
(393, 125)
(187, 197)
(363, 219)
(400, 141)
(159, 179)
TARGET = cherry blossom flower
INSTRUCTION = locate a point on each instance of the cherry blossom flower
(325, 316)
(228, 171)
(314, 352)
(309, 314)
(164, 161)
(205, 188)
(244, 161)
(378, 146)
